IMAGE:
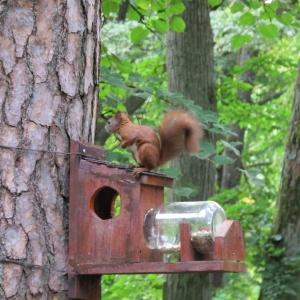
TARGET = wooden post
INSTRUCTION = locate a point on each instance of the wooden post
(85, 287)
(187, 253)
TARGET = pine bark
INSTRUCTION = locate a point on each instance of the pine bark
(282, 273)
(190, 69)
(48, 95)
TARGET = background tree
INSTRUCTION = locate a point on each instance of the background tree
(281, 276)
(190, 69)
(48, 95)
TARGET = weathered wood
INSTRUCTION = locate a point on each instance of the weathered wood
(100, 243)
(84, 287)
(122, 236)
(160, 267)
(187, 252)
(229, 242)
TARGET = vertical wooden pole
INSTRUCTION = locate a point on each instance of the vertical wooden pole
(85, 287)
(187, 253)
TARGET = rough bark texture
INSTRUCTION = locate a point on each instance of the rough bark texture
(231, 176)
(48, 94)
(190, 69)
(281, 277)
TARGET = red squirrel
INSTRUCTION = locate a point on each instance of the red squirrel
(179, 131)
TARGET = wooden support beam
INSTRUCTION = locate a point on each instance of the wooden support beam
(84, 287)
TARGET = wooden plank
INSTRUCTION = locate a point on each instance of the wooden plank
(73, 192)
(156, 179)
(229, 242)
(160, 267)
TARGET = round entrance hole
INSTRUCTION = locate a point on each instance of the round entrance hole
(106, 203)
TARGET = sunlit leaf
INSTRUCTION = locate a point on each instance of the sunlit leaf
(109, 6)
(237, 6)
(132, 14)
(214, 3)
(138, 34)
(239, 40)
(285, 18)
(176, 8)
(269, 31)
(177, 24)
(160, 25)
(247, 19)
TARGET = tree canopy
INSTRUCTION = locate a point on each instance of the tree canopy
(256, 50)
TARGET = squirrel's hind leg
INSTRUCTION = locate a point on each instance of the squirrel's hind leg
(148, 157)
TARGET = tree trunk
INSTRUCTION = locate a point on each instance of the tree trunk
(48, 94)
(282, 273)
(190, 69)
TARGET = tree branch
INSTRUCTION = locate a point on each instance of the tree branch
(261, 164)
(123, 11)
(270, 97)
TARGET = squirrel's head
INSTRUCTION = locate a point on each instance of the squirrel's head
(114, 123)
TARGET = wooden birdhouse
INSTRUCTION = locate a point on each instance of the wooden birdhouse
(107, 212)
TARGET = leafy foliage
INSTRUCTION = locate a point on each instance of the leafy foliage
(133, 67)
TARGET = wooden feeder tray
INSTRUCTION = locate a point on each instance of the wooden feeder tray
(101, 243)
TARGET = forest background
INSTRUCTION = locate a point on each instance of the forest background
(256, 58)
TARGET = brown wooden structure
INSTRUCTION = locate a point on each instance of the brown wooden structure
(102, 243)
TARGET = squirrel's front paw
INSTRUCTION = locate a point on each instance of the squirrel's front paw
(137, 171)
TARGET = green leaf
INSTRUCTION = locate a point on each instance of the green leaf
(214, 3)
(160, 25)
(207, 149)
(255, 176)
(177, 24)
(138, 34)
(109, 6)
(247, 19)
(184, 191)
(231, 147)
(285, 18)
(171, 171)
(239, 40)
(269, 31)
(176, 9)
(133, 15)
(255, 4)
(237, 7)
(144, 4)
(112, 78)
(222, 160)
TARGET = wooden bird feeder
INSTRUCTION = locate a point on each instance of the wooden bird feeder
(102, 243)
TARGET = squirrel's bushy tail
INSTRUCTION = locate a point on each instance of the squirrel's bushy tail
(179, 131)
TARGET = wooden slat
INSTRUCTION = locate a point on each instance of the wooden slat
(159, 267)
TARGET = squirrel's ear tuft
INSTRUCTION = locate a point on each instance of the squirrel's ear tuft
(121, 114)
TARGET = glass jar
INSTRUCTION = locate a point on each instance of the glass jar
(161, 226)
